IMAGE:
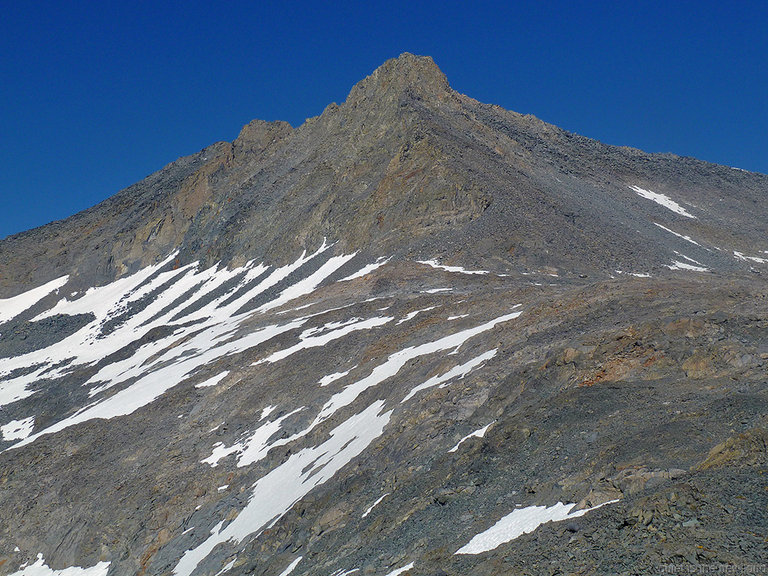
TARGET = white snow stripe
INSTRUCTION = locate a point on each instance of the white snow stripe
(412, 315)
(519, 522)
(743, 258)
(688, 258)
(40, 568)
(306, 286)
(323, 339)
(457, 317)
(291, 566)
(209, 333)
(455, 372)
(684, 237)
(103, 300)
(396, 361)
(155, 383)
(677, 265)
(227, 567)
(476, 434)
(213, 381)
(330, 378)
(251, 449)
(662, 200)
(372, 506)
(12, 307)
(401, 570)
(435, 264)
(367, 269)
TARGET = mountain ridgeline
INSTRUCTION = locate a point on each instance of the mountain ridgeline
(404, 166)
(417, 334)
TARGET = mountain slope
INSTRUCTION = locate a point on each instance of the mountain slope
(410, 165)
(359, 344)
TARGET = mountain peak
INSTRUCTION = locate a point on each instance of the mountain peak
(412, 68)
(406, 73)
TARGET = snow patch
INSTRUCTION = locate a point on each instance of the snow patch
(457, 316)
(694, 265)
(743, 258)
(662, 200)
(227, 567)
(12, 307)
(175, 365)
(309, 340)
(18, 429)
(367, 269)
(40, 568)
(684, 237)
(455, 372)
(330, 378)
(401, 570)
(677, 265)
(291, 566)
(519, 522)
(308, 285)
(459, 269)
(635, 274)
(372, 506)
(266, 412)
(412, 315)
(213, 381)
(251, 449)
(476, 434)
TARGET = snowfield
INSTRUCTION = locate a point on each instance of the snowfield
(208, 315)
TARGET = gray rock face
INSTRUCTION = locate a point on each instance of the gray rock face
(357, 345)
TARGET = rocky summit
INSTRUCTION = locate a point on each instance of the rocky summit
(417, 334)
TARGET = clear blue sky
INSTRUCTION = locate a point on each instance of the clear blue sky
(96, 95)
